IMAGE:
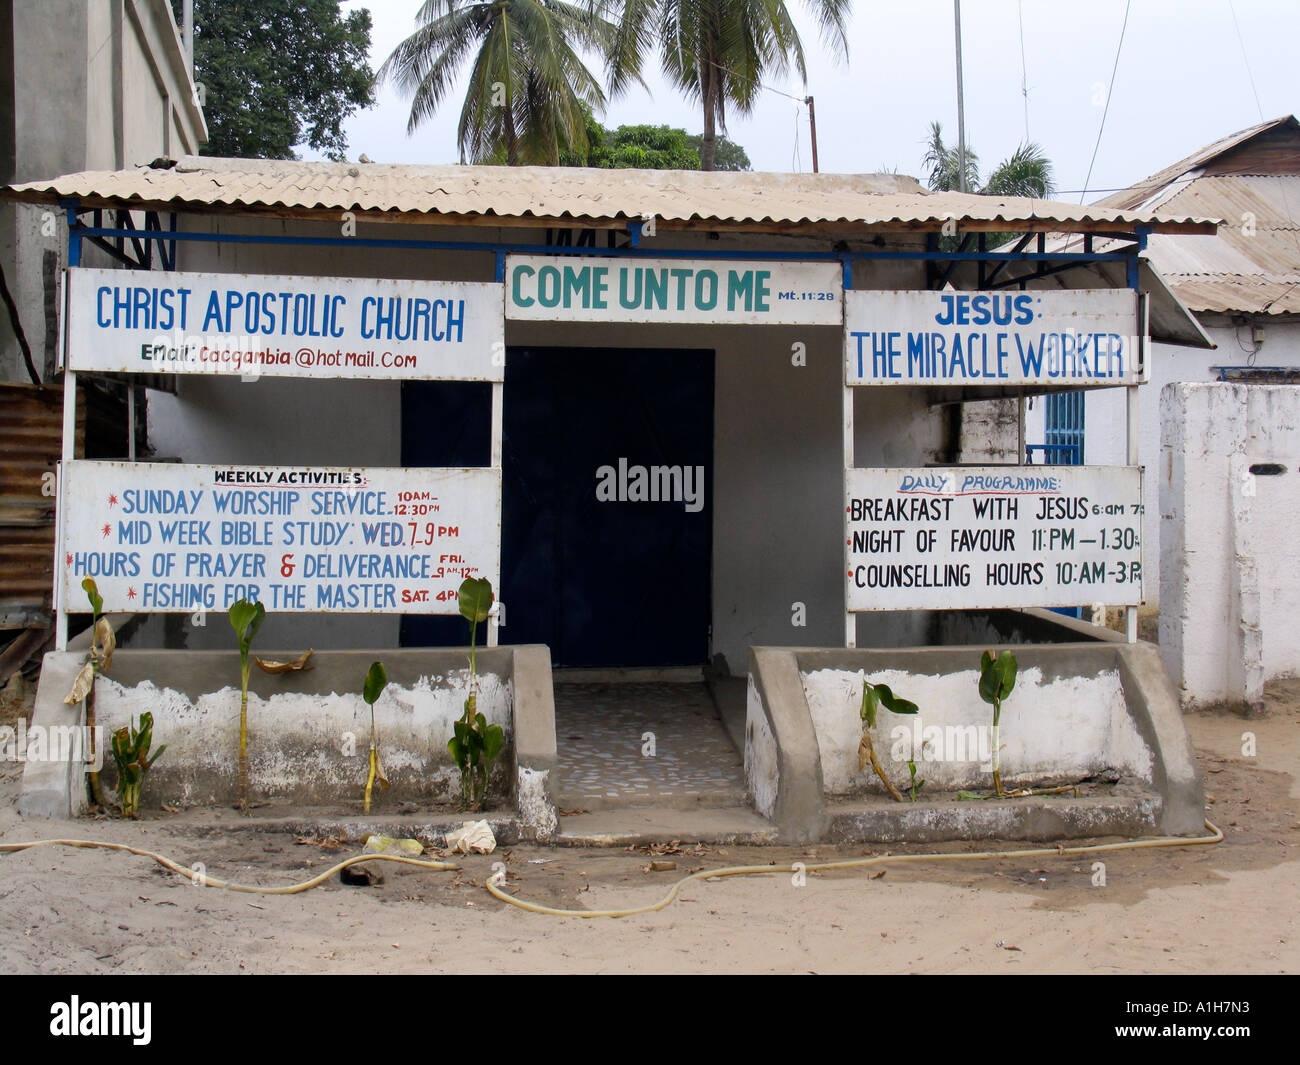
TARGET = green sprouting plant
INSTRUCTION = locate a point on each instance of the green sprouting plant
(100, 656)
(245, 618)
(474, 744)
(916, 785)
(376, 682)
(875, 696)
(997, 678)
(131, 753)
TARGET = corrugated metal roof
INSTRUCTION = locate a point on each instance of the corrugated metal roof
(1238, 293)
(678, 199)
(1252, 265)
(1149, 188)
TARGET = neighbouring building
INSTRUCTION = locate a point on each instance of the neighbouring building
(1242, 284)
(84, 85)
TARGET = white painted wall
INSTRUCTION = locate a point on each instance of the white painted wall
(295, 738)
(1230, 582)
(1059, 728)
(1104, 411)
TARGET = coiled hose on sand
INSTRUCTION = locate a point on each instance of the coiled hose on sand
(493, 883)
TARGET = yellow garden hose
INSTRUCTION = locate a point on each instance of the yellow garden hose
(203, 880)
(493, 882)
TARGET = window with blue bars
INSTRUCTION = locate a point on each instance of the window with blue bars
(1063, 418)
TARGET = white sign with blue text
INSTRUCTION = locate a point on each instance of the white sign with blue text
(175, 538)
(126, 321)
(1067, 338)
(974, 537)
(568, 288)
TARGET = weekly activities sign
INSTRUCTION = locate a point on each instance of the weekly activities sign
(125, 321)
(171, 538)
(571, 288)
(1067, 338)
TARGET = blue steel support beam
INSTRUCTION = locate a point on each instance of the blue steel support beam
(1067, 258)
(74, 233)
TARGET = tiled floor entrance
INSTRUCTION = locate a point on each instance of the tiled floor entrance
(651, 744)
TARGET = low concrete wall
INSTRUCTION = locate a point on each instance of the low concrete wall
(1082, 711)
(309, 731)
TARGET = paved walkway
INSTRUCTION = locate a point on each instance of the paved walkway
(643, 744)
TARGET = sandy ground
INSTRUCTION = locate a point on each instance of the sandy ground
(1234, 907)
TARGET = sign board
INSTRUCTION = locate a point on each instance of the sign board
(571, 288)
(993, 536)
(1066, 338)
(177, 538)
(127, 321)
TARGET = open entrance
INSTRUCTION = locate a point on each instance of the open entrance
(607, 469)
(606, 499)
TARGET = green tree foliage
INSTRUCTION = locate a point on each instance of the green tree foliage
(1026, 172)
(646, 148)
(279, 73)
(727, 154)
(528, 84)
(717, 52)
(643, 148)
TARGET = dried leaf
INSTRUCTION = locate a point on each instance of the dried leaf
(81, 686)
(104, 643)
(285, 667)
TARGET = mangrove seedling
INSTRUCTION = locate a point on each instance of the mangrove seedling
(875, 696)
(245, 618)
(916, 785)
(474, 744)
(997, 678)
(131, 753)
(100, 656)
(376, 682)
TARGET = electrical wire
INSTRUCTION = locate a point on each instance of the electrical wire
(1249, 73)
(1106, 110)
(1024, 74)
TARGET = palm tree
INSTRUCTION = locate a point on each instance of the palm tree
(717, 51)
(1026, 172)
(527, 82)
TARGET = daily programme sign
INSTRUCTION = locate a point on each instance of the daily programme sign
(568, 288)
(980, 537)
(173, 538)
(322, 327)
(1078, 337)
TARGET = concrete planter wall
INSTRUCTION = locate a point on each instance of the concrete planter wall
(1079, 711)
(309, 731)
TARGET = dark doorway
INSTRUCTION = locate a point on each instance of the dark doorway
(607, 499)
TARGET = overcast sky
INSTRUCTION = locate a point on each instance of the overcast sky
(1184, 79)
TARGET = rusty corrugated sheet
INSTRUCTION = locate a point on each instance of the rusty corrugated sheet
(679, 199)
(1250, 180)
(31, 428)
(1211, 157)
